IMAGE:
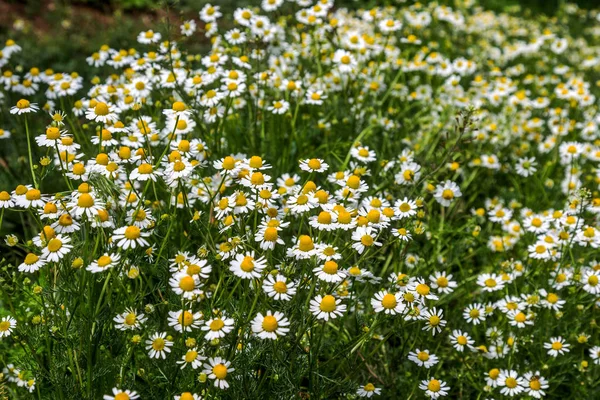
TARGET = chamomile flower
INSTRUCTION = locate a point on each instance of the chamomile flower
(185, 285)
(535, 384)
(158, 345)
(102, 112)
(218, 327)
(23, 106)
(130, 319)
(218, 369)
(104, 263)
(130, 237)
(405, 208)
(423, 358)
(146, 171)
(368, 390)
(460, 340)
(6, 200)
(279, 107)
(330, 272)
(31, 263)
(364, 238)
(388, 303)
(474, 314)
(446, 192)
(327, 307)
(434, 320)
(313, 165)
(442, 283)
(188, 27)
(271, 325)
(246, 266)
(594, 353)
(279, 287)
(434, 388)
(363, 154)
(184, 321)
(57, 248)
(193, 358)
(149, 37)
(7, 325)
(557, 346)
(511, 383)
(490, 282)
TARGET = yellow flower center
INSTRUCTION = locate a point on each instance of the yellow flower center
(228, 163)
(104, 261)
(557, 346)
(434, 385)
(257, 178)
(511, 382)
(305, 243)
(22, 104)
(367, 240)
(302, 199)
(145, 168)
(490, 282)
(270, 323)
(54, 245)
(353, 182)
(447, 194)
(186, 318)
(255, 162)
(389, 301)
(132, 232)
(280, 287)
(158, 344)
(220, 371)
(423, 289)
(52, 133)
(330, 267)
(101, 109)
(31, 259)
(85, 200)
(247, 264)
(33, 194)
(187, 283)
(328, 303)
(189, 357)
(423, 356)
(314, 164)
(217, 324)
(179, 106)
(4, 326)
(520, 317)
(130, 319)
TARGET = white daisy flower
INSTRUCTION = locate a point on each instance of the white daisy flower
(271, 325)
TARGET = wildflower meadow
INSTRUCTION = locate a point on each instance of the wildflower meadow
(326, 202)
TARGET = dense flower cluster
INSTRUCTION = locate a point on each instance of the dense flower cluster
(332, 203)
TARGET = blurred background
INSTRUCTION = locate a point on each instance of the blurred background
(51, 32)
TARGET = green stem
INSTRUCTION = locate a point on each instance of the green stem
(30, 156)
